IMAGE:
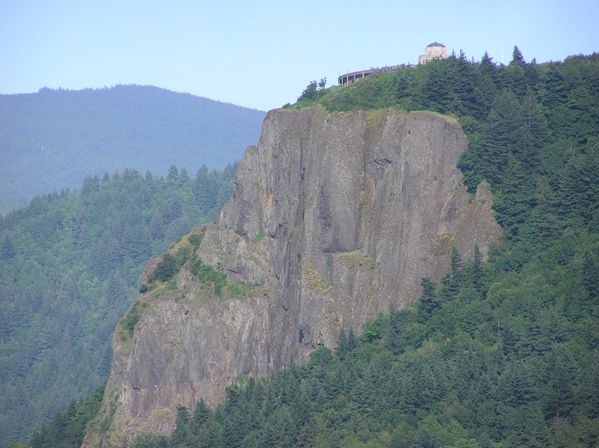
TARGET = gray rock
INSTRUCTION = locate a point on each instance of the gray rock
(334, 218)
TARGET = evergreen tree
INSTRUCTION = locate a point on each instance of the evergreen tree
(437, 95)
(517, 58)
(477, 270)
(504, 123)
(456, 267)
(590, 276)
(180, 434)
(515, 75)
(201, 414)
(203, 190)
(352, 341)
(392, 339)
(428, 300)
(342, 348)
(7, 250)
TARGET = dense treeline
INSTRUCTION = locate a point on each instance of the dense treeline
(54, 139)
(489, 358)
(68, 427)
(71, 265)
(503, 354)
(532, 128)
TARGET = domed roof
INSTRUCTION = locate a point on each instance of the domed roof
(435, 44)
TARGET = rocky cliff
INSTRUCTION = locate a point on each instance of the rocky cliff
(334, 218)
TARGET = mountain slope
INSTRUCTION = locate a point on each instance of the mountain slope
(70, 267)
(54, 139)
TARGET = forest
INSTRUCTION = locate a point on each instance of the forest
(503, 354)
(55, 138)
(497, 354)
(71, 266)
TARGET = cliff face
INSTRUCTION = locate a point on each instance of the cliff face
(333, 219)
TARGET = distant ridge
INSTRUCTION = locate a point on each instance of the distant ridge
(53, 139)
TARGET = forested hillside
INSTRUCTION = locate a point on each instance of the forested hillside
(54, 139)
(504, 354)
(71, 265)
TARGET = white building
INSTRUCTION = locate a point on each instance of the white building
(433, 51)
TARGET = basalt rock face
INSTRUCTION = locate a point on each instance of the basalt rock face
(334, 218)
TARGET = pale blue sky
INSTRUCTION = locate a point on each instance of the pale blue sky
(262, 54)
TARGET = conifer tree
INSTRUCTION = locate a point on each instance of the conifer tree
(342, 348)
(590, 276)
(201, 414)
(180, 433)
(428, 300)
(392, 339)
(7, 249)
(477, 270)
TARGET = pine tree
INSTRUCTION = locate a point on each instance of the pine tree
(203, 190)
(462, 86)
(477, 270)
(428, 300)
(517, 58)
(393, 337)
(590, 276)
(180, 434)
(533, 134)
(201, 414)
(486, 87)
(7, 250)
(515, 75)
(544, 223)
(342, 349)
(502, 137)
(456, 267)
(436, 90)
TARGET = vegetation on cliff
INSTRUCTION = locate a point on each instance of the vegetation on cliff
(499, 355)
(492, 357)
(71, 266)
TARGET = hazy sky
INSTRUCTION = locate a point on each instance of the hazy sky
(262, 54)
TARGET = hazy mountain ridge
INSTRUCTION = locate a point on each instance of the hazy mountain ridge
(53, 139)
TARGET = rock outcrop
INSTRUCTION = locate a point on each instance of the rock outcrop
(334, 218)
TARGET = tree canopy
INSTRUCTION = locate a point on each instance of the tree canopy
(71, 266)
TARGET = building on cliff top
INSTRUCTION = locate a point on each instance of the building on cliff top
(432, 51)
(348, 78)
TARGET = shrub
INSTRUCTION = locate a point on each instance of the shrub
(207, 274)
(166, 269)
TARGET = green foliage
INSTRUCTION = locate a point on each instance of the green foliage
(239, 289)
(54, 139)
(313, 91)
(374, 329)
(525, 122)
(66, 430)
(260, 235)
(195, 240)
(208, 275)
(129, 321)
(513, 366)
(166, 268)
(71, 265)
